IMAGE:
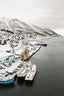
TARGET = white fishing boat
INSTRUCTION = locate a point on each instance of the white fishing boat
(30, 75)
(24, 70)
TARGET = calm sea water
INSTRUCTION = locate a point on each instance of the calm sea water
(49, 80)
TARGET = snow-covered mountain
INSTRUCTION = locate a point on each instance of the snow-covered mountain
(45, 31)
(15, 26)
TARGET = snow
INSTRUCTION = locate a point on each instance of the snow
(5, 47)
(11, 68)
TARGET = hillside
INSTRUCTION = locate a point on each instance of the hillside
(16, 26)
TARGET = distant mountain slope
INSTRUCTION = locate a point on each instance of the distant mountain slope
(15, 26)
(45, 31)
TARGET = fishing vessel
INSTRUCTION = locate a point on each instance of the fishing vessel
(31, 50)
(31, 74)
(8, 73)
(27, 47)
(26, 53)
(24, 70)
(7, 79)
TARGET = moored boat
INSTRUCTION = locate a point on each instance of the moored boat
(30, 75)
(44, 44)
(7, 79)
(24, 70)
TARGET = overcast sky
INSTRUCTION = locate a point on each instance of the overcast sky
(45, 13)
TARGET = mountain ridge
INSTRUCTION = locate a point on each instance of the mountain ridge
(15, 26)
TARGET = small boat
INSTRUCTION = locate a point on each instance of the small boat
(30, 75)
(44, 44)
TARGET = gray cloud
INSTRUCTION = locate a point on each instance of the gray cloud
(46, 13)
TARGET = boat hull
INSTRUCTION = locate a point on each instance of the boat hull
(44, 45)
(10, 81)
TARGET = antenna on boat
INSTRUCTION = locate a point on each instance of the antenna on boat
(27, 55)
(23, 54)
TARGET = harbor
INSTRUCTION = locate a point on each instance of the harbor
(15, 61)
(31, 48)
(50, 73)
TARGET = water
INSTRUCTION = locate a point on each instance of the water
(49, 80)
